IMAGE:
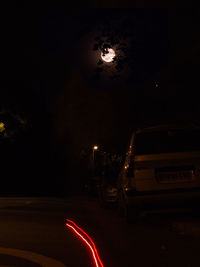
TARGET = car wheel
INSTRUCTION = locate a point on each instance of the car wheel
(121, 205)
(130, 213)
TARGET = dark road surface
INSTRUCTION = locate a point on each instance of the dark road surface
(33, 233)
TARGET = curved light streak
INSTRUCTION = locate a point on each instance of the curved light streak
(92, 246)
(92, 250)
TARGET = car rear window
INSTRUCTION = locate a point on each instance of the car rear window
(167, 142)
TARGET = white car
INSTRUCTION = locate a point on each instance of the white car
(161, 170)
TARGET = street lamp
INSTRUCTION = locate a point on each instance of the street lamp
(93, 150)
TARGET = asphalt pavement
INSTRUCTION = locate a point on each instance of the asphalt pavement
(33, 233)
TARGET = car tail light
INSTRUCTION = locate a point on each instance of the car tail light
(130, 190)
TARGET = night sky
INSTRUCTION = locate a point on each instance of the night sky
(47, 74)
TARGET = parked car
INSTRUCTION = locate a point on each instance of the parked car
(161, 170)
(91, 186)
(107, 189)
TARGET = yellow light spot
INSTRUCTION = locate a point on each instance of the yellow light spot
(95, 147)
(2, 127)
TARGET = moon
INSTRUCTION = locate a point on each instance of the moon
(108, 57)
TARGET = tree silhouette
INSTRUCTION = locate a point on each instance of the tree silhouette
(15, 125)
(139, 39)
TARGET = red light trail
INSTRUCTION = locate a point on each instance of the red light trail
(77, 230)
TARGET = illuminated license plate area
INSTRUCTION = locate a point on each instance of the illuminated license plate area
(175, 176)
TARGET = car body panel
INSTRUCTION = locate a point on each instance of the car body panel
(160, 178)
(180, 170)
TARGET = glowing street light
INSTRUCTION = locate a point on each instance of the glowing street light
(95, 147)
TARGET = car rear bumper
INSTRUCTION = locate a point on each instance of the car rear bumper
(166, 199)
(111, 199)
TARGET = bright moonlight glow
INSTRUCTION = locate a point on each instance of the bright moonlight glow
(108, 57)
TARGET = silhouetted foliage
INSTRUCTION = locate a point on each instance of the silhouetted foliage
(16, 126)
(100, 62)
(135, 37)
